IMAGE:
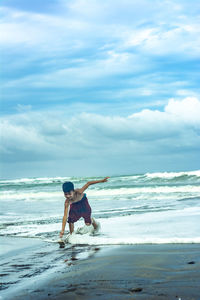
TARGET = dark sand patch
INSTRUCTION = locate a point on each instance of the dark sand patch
(146, 272)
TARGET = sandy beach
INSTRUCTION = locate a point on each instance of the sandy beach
(118, 272)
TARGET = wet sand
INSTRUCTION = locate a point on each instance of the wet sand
(122, 272)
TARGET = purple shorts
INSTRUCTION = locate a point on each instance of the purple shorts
(80, 209)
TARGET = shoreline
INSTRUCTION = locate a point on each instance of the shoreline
(149, 272)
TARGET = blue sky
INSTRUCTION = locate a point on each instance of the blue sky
(99, 87)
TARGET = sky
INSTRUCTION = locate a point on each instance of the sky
(99, 87)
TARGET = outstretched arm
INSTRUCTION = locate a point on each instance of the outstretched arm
(92, 182)
(64, 220)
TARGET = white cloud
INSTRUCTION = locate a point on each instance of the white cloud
(84, 23)
(82, 47)
(94, 134)
(187, 111)
(40, 30)
(163, 39)
(182, 111)
(86, 73)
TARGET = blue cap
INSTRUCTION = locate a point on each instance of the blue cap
(67, 187)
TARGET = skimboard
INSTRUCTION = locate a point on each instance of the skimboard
(84, 230)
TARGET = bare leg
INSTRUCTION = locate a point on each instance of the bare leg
(71, 227)
(94, 224)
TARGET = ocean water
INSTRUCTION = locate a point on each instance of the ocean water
(133, 209)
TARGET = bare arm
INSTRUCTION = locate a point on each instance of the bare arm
(64, 220)
(92, 182)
